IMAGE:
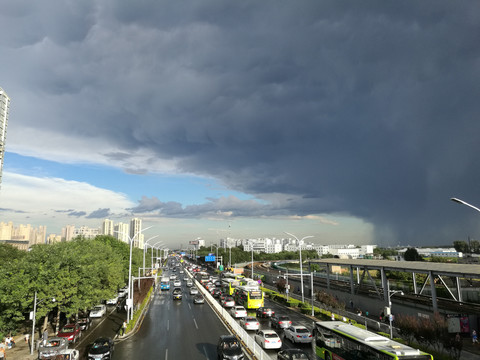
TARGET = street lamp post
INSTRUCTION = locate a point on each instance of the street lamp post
(301, 268)
(251, 244)
(144, 250)
(230, 257)
(216, 257)
(390, 316)
(160, 242)
(33, 319)
(130, 292)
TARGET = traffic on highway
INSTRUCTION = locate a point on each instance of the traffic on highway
(197, 330)
(183, 322)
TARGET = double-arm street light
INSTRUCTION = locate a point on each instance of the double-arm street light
(390, 316)
(130, 293)
(301, 267)
(154, 246)
(34, 314)
(145, 244)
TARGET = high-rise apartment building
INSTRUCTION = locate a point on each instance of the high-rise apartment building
(121, 232)
(4, 107)
(107, 227)
(23, 233)
(68, 232)
(135, 232)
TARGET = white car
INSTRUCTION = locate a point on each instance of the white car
(98, 311)
(250, 323)
(177, 283)
(112, 301)
(298, 334)
(189, 283)
(193, 291)
(268, 339)
(228, 302)
(238, 312)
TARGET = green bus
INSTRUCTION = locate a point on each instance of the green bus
(336, 340)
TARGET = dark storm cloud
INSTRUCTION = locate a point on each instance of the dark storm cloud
(77, 213)
(13, 211)
(99, 214)
(361, 108)
(223, 207)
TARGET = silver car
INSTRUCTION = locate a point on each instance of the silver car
(198, 299)
(52, 347)
(193, 291)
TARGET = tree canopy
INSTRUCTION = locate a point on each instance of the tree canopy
(67, 276)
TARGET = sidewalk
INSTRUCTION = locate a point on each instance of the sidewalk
(21, 351)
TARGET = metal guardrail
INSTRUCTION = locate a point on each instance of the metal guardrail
(248, 341)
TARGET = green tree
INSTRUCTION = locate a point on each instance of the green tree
(412, 255)
(461, 246)
(385, 253)
(475, 246)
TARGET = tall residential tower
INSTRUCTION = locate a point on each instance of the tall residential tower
(136, 232)
(4, 106)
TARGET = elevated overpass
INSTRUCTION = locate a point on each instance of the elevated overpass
(435, 276)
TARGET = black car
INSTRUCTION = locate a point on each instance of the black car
(265, 312)
(102, 348)
(293, 354)
(229, 347)
(216, 293)
(177, 293)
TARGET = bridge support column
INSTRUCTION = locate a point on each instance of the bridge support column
(328, 276)
(414, 279)
(352, 287)
(459, 289)
(434, 291)
(384, 284)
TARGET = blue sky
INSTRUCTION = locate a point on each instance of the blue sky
(354, 122)
(185, 189)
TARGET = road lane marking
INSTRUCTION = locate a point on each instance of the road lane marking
(166, 354)
(168, 325)
(195, 322)
(205, 351)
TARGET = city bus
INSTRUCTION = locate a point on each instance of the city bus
(250, 297)
(336, 340)
(165, 283)
(229, 285)
(248, 282)
(233, 276)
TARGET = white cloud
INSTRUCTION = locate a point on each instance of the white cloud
(64, 148)
(27, 199)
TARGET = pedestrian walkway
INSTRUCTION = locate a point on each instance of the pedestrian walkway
(21, 351)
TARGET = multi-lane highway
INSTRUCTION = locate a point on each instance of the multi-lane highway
(175, 329)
